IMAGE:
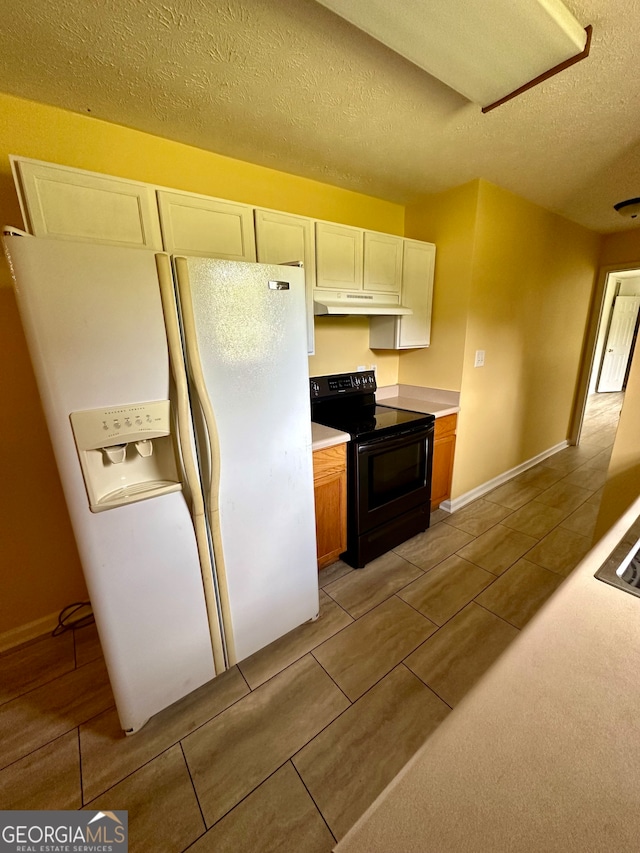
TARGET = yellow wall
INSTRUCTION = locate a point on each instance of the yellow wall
(39, 564)
(533, 274)
(514, 280)
(623, 477)
(621, 248)
(447, 219)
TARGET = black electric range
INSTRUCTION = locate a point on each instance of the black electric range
(389, 461)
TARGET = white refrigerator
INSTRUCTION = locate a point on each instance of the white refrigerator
(176, 396)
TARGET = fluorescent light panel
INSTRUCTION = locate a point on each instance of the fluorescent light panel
(484, 49)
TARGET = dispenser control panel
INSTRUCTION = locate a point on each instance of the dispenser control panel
(94, 428)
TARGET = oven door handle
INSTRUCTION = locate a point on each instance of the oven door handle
(396, 440)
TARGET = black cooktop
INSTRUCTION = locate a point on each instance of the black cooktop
(346, 402)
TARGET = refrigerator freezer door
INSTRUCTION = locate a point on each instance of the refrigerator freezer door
(246, 343)
(94, 325)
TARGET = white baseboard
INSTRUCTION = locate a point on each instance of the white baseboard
(24, 633)
(490, 485)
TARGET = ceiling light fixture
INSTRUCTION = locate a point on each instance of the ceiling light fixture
(629, 208)
(487, 52)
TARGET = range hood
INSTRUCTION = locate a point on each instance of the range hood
(346, 303)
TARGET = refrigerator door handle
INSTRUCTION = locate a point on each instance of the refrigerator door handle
(178, 370)
(198, 391)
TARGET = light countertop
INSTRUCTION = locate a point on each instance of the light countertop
(543, 754)
(324, 436)
(432, 401)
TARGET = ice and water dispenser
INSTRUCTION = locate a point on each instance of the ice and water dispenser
(126, 453)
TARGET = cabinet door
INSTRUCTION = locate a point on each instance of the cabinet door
(411, 330)
(382, 262)
(72, 204)
(330, 489)
(198, 225)
(281, 238)
(414, 330)
(339, 251)
(444, 447)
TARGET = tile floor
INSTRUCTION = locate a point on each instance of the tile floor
(286, 750)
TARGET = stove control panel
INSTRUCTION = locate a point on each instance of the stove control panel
(339, 384)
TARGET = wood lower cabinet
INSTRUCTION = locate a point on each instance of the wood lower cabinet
(330, 489)
(444, 445)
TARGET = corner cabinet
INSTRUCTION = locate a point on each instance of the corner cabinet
(282, 238)
(411, 330)
(72, 204)
(444, 445)
(330, 490)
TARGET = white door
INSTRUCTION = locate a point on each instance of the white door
(619, 343)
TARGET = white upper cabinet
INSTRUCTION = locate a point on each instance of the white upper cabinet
(339, 252)
(282, 238)
(410, 330)
(199, 225)
(72, 204)
(382, 262)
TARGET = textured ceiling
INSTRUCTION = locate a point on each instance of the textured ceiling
(287, 84)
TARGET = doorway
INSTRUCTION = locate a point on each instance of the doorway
(609, 350)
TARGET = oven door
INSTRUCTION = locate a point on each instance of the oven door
(393, 476)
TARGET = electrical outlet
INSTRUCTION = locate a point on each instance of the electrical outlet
(373, 367)
(479, 362)
(361, 367)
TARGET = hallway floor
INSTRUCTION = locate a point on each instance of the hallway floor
(285, 751)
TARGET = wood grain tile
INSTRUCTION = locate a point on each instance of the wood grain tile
(108, 755)
(87, 644)
(361, 591)
(602, 461)
(438, 515)
(596, 497)
(582, 520)
(461, 652)
(478, 517)
(513, 494)
(497, 549)
(520, 592)
(572, 457)
(162, 805)
(278, 816)
(560, 551)
(428, 549)
(587, 478)
(48, 778)
(240, 748)
(563, 495)
(32, 720)
(539, 477)
(535, 519)
(278, 655)
(370, 648)
(445, 590)
(333, 572)
(33, 664)
(348, 764)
